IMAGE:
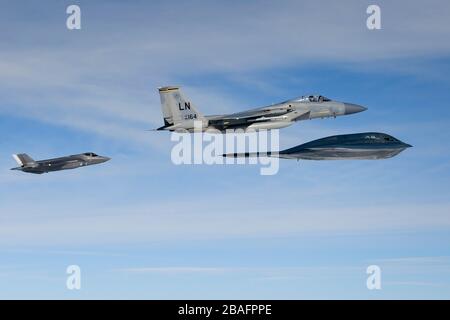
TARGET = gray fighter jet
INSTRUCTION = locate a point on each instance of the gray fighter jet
(180, 114)
(27, 164)
(362, 146)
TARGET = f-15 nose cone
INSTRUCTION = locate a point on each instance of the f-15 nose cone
(353, 108)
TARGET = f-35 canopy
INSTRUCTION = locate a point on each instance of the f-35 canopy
(90, 154)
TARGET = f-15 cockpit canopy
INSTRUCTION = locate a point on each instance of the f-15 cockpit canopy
(310, 98)
(90, 154)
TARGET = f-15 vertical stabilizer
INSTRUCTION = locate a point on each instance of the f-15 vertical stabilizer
(178, 112)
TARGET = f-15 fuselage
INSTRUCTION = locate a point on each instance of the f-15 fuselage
(284, 114)
(180, 114)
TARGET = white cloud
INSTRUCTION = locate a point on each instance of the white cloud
(414, 283)
(103, 78)
(175, 270)
(272, 274)
(208, 221)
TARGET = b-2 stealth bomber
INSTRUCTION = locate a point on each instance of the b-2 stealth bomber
(357, 146)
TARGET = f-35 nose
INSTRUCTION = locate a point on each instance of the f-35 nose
(353, 108)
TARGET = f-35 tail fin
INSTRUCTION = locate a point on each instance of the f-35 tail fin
(24, 160)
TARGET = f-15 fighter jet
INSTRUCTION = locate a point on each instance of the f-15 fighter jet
(180, 113)
(361, 146)
(27, 164)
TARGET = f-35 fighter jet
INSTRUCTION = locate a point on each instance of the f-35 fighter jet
(180, 114)
(27, 164)
(361, 146)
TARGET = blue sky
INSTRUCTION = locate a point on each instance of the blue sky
(141, 227)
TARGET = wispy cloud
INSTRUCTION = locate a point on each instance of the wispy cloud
(99, 83)
(104, 79)
(259, 273)
(435, 260)
(160, 223)
(414, 284)
(175, 270)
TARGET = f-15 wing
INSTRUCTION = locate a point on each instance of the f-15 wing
(259, 112)
(243, 119)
